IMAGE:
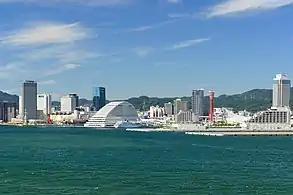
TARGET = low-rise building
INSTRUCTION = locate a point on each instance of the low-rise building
(272, 119)
(186, 117)
(157, 112)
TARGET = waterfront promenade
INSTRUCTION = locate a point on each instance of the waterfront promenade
(244, 133)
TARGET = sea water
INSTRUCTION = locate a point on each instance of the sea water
(55, 161)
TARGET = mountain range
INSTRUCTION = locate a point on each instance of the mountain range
(253, 100)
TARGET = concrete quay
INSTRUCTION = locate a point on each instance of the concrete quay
(243, 133)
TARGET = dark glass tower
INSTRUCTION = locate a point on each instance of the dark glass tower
(99, 98)
(76, 98)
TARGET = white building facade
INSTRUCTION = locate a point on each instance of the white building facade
(272, 119)
(197, 100)
(168, 109)
(281, 91)
(186, 117)
(68, 103)
(157, 112)
(44, 104)
(180, 105)
(112, 113)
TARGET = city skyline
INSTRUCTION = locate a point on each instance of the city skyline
(107, 43)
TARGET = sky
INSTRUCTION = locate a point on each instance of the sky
(158, 48)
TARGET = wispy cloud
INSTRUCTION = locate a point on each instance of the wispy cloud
(179, 15)
(142, 51)
(73, 2)
(229, 7)
(188, 43)
(12, 69)
(48, 82)
(148, 27)
(61, 68)
(46, 33)
(43, 49)
(64, 53)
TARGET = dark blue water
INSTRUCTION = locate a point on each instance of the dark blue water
(41, 161)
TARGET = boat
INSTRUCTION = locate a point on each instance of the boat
(128, 124)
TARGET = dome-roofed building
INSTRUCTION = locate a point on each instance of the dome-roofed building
(113, 112)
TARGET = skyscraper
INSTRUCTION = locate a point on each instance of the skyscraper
(76, 98)
(44, 104)
(99, 98)
(180, 105)
(28, 100)
(68, 103)
(168, 109)
(197, 102)
(281, 91)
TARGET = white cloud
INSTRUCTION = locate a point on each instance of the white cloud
(46, 33)
(148, 27)
(48, 82)
(188, 43)
(12, 69)
(60, 68)
(74, 2)
(63, 53)
(44, 49)
(143, 51)
(237, 6)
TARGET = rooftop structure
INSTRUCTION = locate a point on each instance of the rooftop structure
(113, 112)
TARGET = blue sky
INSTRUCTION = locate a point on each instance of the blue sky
(144, 47)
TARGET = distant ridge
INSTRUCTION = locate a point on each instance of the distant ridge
(253, 100)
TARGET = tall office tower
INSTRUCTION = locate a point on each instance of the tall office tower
(44, 104)
(19, 106)
(28, 100)
(197, 102)
(68, 103)
(99, 98)
(180, 105)
(7, 111)
(168, 109)
(76, 98)
(281, 91)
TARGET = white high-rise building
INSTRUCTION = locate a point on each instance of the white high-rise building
(197, 102)
(68, 103)
(20, 114)
(180, 105)
(44, 104)
(281, 91)
(168, 108)
(28, 100)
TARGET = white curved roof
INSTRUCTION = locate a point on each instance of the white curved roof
(119, 108)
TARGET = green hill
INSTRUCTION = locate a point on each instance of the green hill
(253, 100)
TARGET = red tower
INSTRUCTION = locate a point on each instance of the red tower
(48, 119)
(211, 113)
